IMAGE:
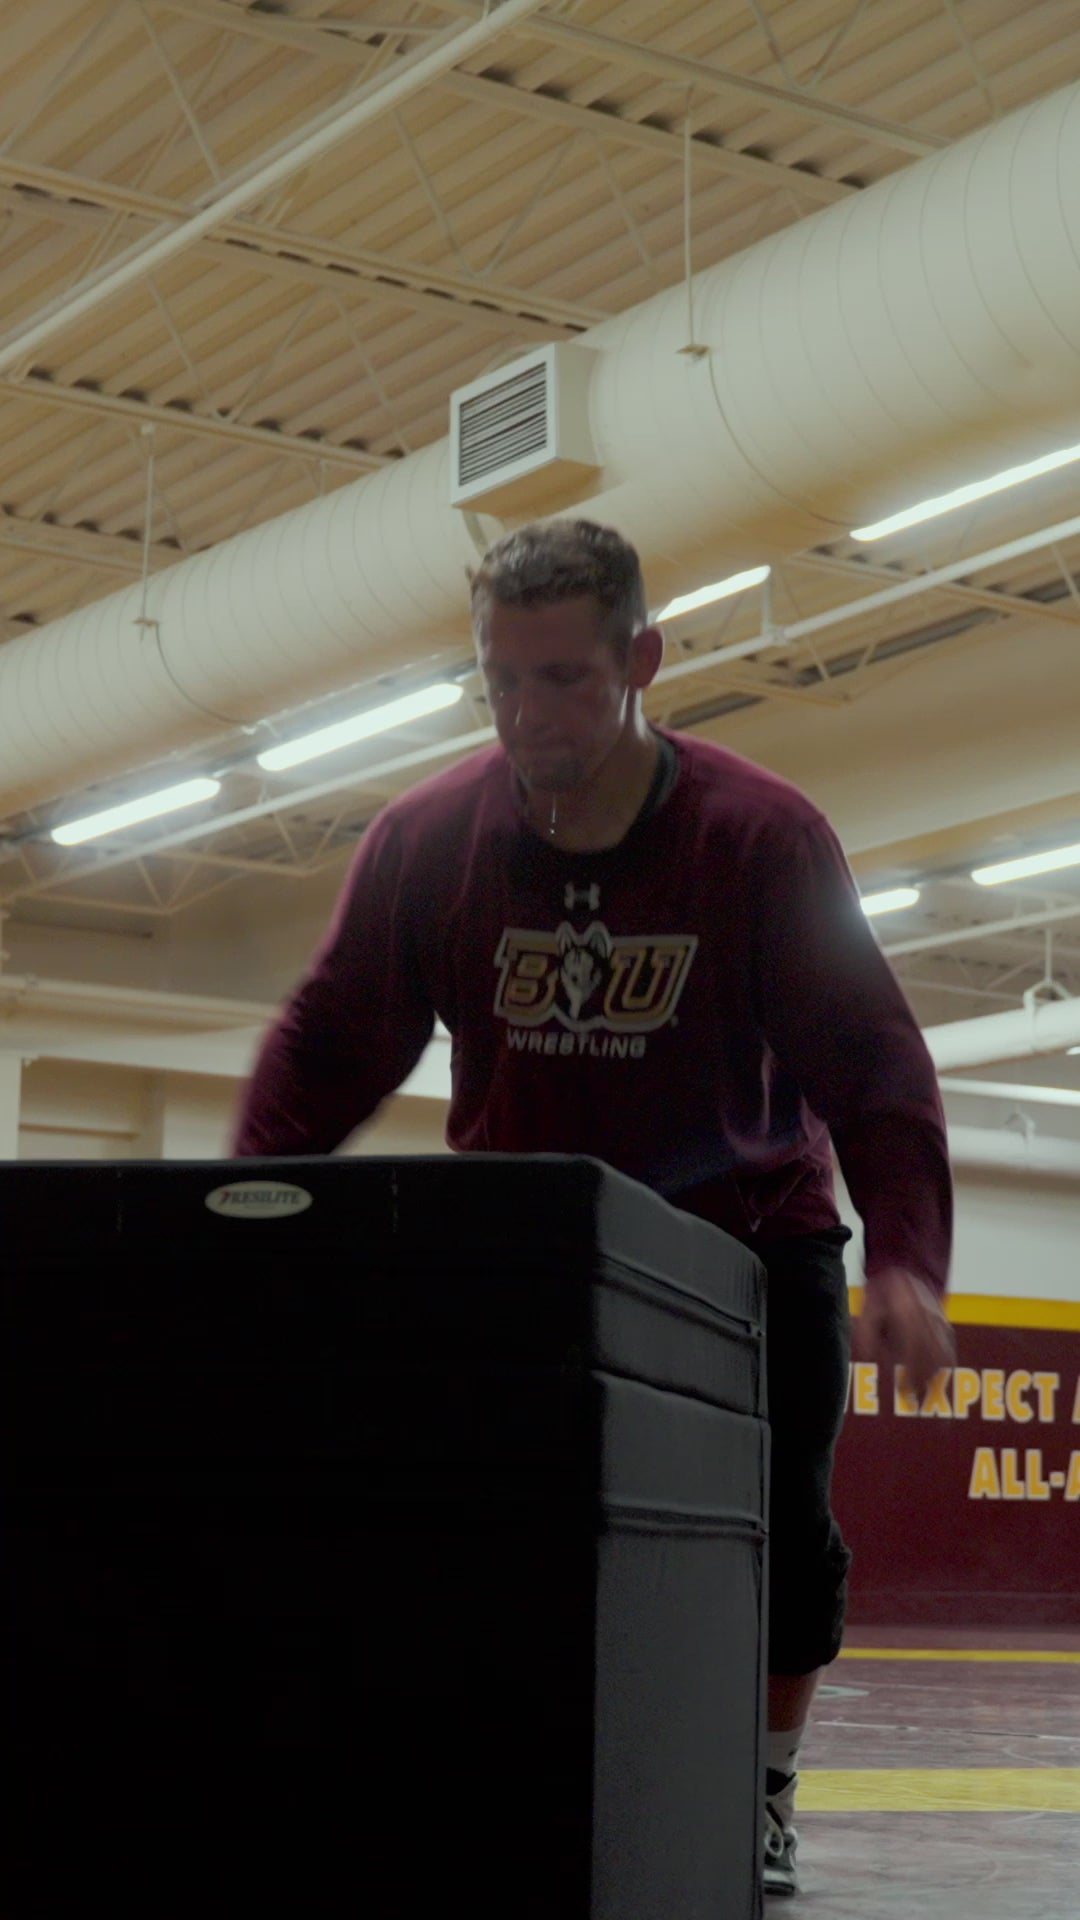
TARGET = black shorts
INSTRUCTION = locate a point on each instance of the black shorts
(808, 1349)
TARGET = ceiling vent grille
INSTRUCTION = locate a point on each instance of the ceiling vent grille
(519, 438)
(506, 424)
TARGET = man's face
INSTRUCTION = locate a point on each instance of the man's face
(560, 697)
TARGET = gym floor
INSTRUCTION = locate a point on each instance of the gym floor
(941, 1777)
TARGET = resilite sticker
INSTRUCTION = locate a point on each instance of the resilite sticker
(259, 1200)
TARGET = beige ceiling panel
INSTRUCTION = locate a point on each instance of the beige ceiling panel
(943, 91)
(51, 591)
(887, 42)
(337, 387)
(74, 484)
(333, 47)
(600, 240)
(348, 190)
(115, 492)
(486, 176)
(106, 108)
(698, 38)
(107, 127)
(78, 544)
(37, 266)
(586, 175)
(715, 240)
(42, 38)
(21, 574)
(322, 380)
(210, 502)
(222, 341)
(382, 301)
(36, 447)
(663, 142)
(1018, 74)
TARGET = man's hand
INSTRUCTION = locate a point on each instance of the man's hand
(903, 1324)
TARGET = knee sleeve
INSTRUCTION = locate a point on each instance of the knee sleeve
(807, 1605)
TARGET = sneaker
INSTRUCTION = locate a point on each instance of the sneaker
(780, 1845)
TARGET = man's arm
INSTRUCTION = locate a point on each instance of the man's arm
(835, 1016)
(355, 1027)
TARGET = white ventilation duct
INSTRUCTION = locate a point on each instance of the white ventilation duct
(896, 332)
(1046, 1026)
(1013, 1152)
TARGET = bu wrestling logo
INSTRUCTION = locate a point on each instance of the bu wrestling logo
(620, 984)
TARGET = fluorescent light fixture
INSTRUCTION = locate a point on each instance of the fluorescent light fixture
(396, 713)
(94, 826)
(890, 902)
(962, 496)
(719, 590)
(1034, 863)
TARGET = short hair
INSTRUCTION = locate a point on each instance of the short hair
(552, 560)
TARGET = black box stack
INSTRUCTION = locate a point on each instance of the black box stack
(385, 1536)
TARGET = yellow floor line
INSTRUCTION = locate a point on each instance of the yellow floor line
(1033, 1657)
(939, 1790)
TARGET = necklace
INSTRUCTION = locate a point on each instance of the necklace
(551, 822)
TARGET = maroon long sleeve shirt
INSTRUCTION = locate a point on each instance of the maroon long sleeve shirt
(702, 1006)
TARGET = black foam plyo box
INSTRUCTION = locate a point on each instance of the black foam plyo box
(403, 1542)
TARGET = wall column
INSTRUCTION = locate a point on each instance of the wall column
(10, 1101)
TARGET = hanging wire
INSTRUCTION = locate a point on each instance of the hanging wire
(148, 527)
(692, 346)
(688, 237)
(145, 620)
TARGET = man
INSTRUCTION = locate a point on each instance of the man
(652, 952)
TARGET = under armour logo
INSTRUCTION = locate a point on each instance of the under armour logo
(581, 896)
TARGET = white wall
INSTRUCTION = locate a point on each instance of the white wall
(70, 1111)
(1018, 1238)
(134, 959)
(74, 1112)
(253, 943)
(1015, 1236)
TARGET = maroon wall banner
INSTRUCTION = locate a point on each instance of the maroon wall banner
(966, 1510)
